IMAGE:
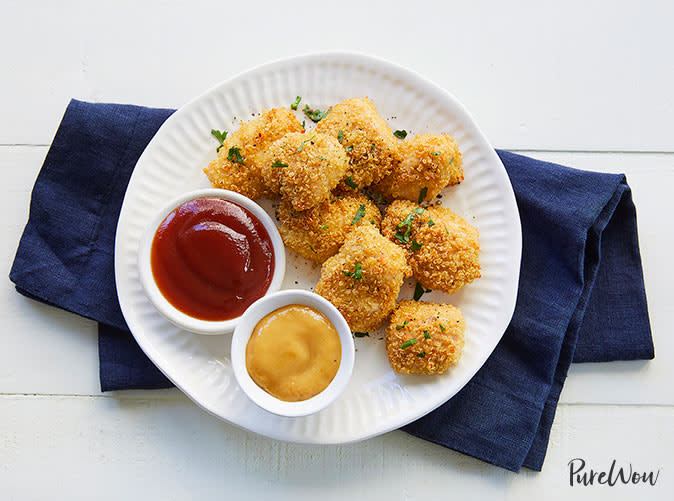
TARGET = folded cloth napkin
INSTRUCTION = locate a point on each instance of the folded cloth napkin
(581, 294)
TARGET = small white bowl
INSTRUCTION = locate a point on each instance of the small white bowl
(176, 316)
(256, 312)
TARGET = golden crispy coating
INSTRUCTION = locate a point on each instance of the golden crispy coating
(303, 168)
(237, 167)
(319, 232)
(366, 138)
(364, 278)
(424, 338)
(430, 161)
(442, 249)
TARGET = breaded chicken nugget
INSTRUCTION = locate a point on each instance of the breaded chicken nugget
(424, 338)
(366, 138)
(237, 167)
(427, 164)
(364, 278)
(303, 168)
(318, 233)
(442, 249)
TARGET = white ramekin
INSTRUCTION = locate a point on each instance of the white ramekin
(176, 316)
(244, 329)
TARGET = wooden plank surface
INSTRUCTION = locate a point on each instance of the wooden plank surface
(578, 75)
(105, 448)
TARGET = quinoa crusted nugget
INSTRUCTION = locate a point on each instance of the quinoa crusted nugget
(424, 338)
(430, 162)
(442, 249)
(366, 138)
(318, 233)
(237, 167)
(364, 278)
(303, 168)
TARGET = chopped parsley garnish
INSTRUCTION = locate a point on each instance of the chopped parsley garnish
(442, 327)
(422, 194)
(312, 249)
(220, 136)
(402, 326)
(297, 101)
(340, 136)
(408, 343)
(301, 146)
(426, 335)
(418, 292)
(324, 227)
(400, 134)
(435, 153)
(374, 146)
(234, 155)
(279, 164)
(404, 237)
(361, 334)
(315, 115)
(451, 161)
(350, 183)
(415, 245)
(349, 148)
(446, 230)
(407, 220)
(357, 274)
(431, 222)
(360, 213)
(304, 122)
(421, 354)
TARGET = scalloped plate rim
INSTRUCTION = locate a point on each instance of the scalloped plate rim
(352, 58)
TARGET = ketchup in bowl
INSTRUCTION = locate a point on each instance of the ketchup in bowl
(212, 258)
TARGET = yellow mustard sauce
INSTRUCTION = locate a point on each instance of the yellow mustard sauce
(293, 353)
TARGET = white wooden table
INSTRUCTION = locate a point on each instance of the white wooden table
(584, 84)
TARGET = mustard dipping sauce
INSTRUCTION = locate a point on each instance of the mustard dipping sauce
(293, 353)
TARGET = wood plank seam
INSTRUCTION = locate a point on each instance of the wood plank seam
(149, 397)
(522, 151)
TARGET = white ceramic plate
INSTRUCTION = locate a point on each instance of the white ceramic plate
(377, 400)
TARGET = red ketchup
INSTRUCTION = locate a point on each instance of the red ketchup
(211, 258)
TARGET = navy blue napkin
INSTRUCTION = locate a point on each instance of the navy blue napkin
(581, 296)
